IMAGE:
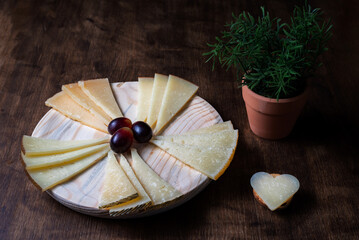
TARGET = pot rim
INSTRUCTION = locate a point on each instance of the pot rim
(274, 100)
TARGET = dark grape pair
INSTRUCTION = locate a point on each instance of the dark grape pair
(123, 132)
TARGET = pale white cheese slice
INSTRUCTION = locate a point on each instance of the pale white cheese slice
(116, 188)
(145, 86)
(214, 128)
(50, 177)
(159, 88)
(67, 106)
(274, 191)
(76, 93)
(225, 139)
(37, 162)
(137, 204)
(211, 161)
(178, 92)
(34, 146)
(100, 91)
(157, 189)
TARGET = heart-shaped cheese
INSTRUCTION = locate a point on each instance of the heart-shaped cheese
(274, 191)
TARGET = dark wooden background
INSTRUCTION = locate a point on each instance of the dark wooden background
(44, 44)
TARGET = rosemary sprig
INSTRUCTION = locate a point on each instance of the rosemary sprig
(275, 58)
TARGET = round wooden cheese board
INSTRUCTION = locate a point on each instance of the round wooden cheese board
(82, 192)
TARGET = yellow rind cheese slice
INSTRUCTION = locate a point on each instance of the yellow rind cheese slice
(214, 128)
(37, 162)
(211, 161)
(64, 104)
(145, 86)
(226, 139)
(274, 190)
(50, 177)
(157, 189)
(137, 204)
(178, 92)
(100, 91)
(158, 90)
(76, 93)
(117, 188)
(33, 146)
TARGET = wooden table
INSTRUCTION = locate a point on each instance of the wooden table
(44, 44)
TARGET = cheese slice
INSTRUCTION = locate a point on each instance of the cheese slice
(214, 128)
(274, 190)
(145, 86)
(67, 106)
(178, 93)
(211, 160)
(50, 177)
(159, 88)
(37, 162)
(225, 139)
(100, 91)
(137, 204)
(158, 189)
(117, 188)
(34, 146)
(76, 93)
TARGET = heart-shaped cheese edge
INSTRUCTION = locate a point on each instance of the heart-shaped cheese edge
(283, 206)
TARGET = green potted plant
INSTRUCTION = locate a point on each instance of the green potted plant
(273, 61)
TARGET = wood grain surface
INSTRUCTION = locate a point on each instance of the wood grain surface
(44, 44)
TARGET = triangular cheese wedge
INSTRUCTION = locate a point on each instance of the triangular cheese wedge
(117, 188)
(37, 162)
(33, 146)
(178, 93)
(145, 86)
(158, 189)
(137, 204)
(100, 91)
(67, 106)
(76, 93)
(211, 161)
(225, 139)
(214, 128)
(159, 88)
(50, 177)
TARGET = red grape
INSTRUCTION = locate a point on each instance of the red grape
(142, 132)
(121, 140)
(118, 123)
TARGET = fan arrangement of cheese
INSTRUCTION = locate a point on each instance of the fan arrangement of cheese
(89, 102)
(208, 150)
(51, 162)
(132, 185)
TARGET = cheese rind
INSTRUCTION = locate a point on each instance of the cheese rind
(117, 188)
(145, 86)
(34, 146)
(178, 92)
(137, 204)
(211, 161)
(226, 138)
(214, 128)
(100, 91)
(159, 88)
(50, 177)
(37, 162)
(274, 191)
(76, 93)
(157, 189)
(64, 104)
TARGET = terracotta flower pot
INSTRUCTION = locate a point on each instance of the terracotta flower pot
(269, 118)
